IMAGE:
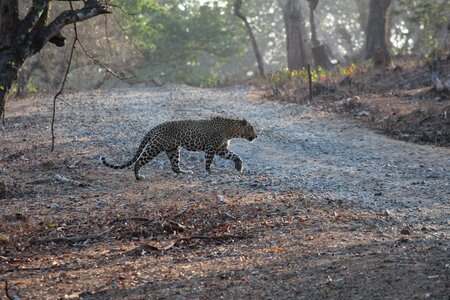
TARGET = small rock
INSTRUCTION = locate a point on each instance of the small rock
(363, 114)
(405, 231)
(55, 206)
(403, 240)
(72, 296)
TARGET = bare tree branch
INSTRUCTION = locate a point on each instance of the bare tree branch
(91, 9)
(127, 36)
(37, 8)
(107, 69)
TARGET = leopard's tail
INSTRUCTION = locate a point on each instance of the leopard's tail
(138, 154)
(126, 165)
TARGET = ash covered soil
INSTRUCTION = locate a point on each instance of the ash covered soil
(325, 208)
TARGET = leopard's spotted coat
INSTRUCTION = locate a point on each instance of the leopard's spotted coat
(211, 136)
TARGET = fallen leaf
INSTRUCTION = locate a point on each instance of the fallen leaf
(276, 250)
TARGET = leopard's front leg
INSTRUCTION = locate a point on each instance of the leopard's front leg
(209, 156)
(228, 154)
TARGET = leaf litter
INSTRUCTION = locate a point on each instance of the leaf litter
(302, 221)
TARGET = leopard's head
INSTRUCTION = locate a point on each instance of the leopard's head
(246, 130)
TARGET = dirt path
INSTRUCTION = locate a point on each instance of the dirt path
(331, 209)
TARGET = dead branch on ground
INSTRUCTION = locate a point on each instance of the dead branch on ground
(64, 179)
(166, 246)
(71, 239)
(181, 212)
(139, 219)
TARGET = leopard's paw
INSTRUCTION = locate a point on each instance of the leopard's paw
(238, 165)
(140, 177)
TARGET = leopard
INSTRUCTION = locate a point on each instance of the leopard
(211, 136)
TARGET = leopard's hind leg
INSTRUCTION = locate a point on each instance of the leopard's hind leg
(174, 157)
(150, 152)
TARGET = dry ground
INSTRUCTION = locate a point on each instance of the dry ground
(325, 208)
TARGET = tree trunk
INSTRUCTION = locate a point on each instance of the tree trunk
(248, 28)
(318, 51)
(294, 26)
(377, 34)
(312, 22)
(22, 38)
(8, 19)
(23, 80)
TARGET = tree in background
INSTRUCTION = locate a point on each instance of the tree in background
(377, 34)
(428, 24)
(22, 38)
(203, 43)
(184, 41)
(294, 27)
(318, 51)
(238, 13)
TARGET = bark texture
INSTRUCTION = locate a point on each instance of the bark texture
(318, 51)
(377, 33)
(295, 28)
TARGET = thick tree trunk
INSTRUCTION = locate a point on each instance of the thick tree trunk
(22, 38)
(9, 60)
(9, 70)
(318, 51)
(377, 33)
(294, 26)
(248, 28)
(22, 81)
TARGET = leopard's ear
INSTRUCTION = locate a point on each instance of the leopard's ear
(244, 122)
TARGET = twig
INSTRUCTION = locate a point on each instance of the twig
(216, 237)
(122, 9)
(127, 36)
(310, 83)
(62, 85)
(142, 219)
(230, 216)
(98, 62)
(51, 268)
(172, 226)
(72, 239)
(181, 212)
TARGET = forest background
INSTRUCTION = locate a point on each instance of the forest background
(204, 43)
